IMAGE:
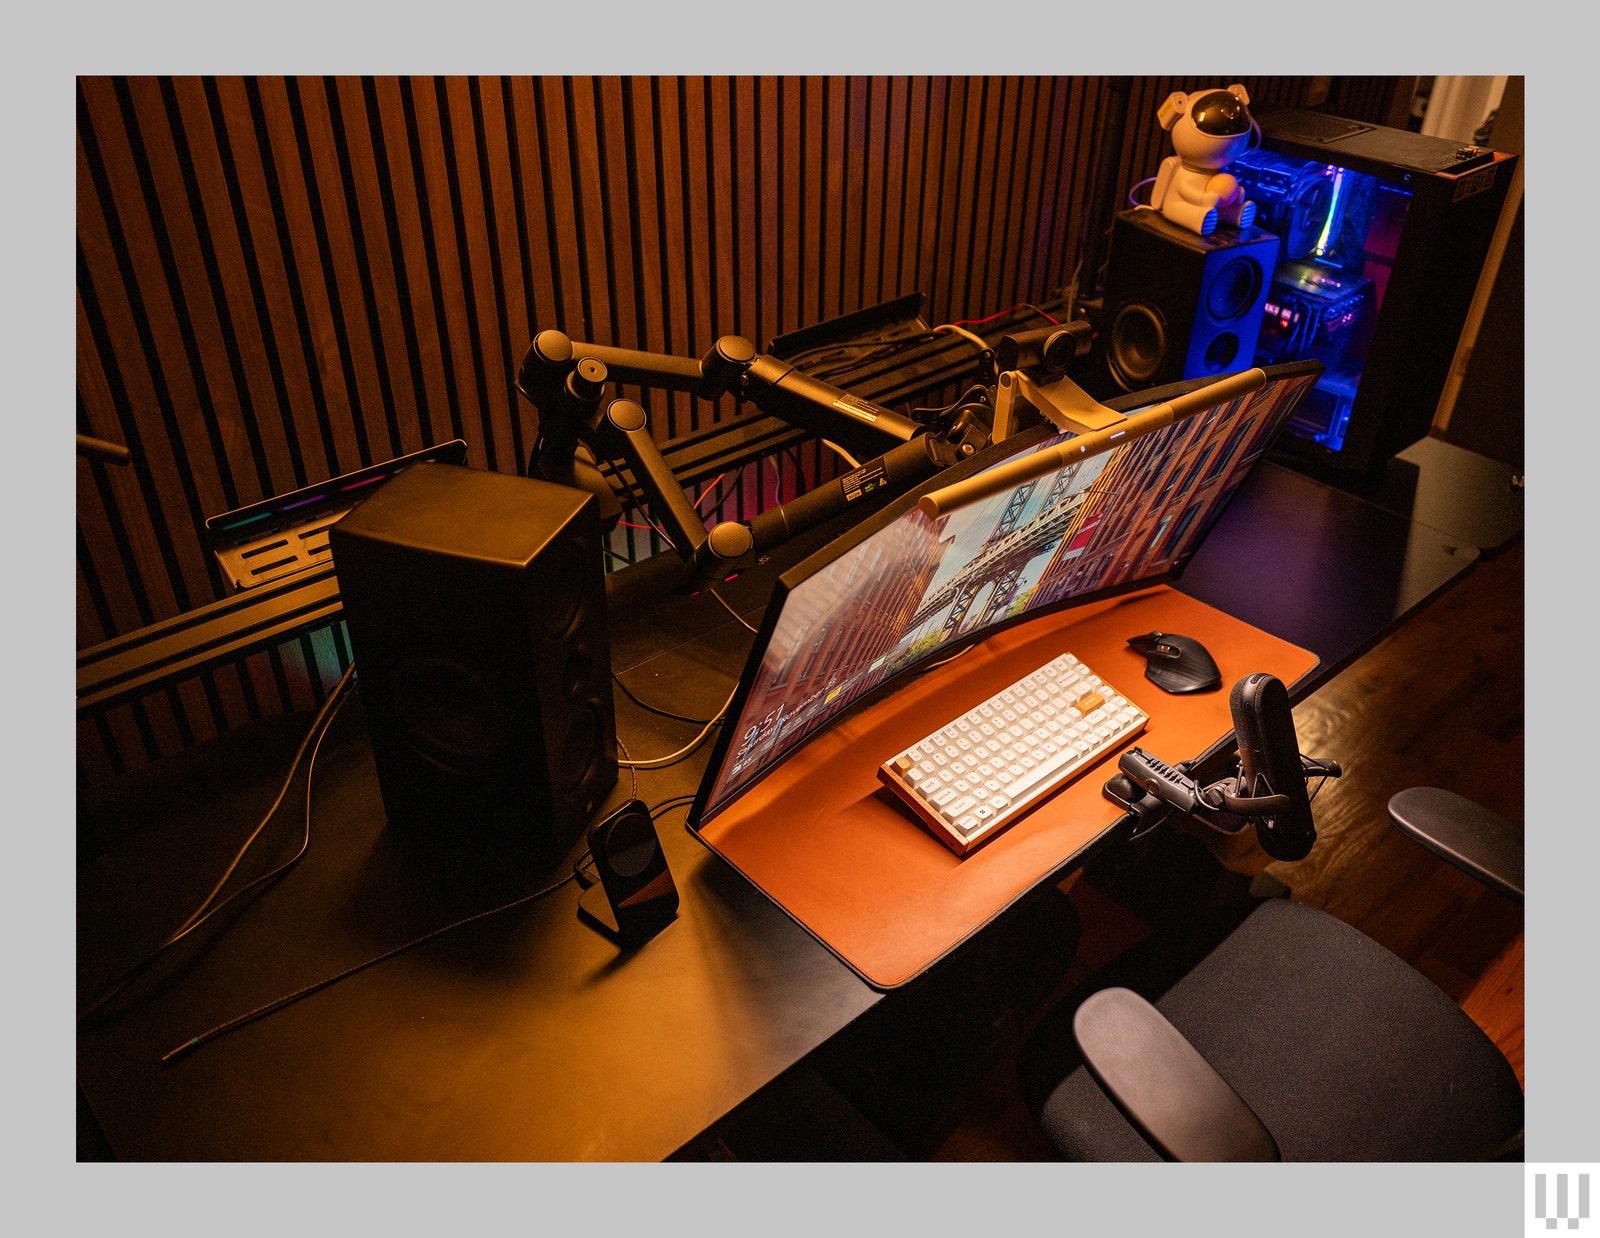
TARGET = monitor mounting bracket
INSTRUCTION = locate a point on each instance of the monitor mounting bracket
(1062, 402)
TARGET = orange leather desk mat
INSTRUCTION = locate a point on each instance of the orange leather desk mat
(826, 841)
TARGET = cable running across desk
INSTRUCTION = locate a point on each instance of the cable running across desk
(210, 907)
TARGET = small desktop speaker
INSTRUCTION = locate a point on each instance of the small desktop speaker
(476, 607)
(1178, 305)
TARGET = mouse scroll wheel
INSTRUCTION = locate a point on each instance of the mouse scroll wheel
(1152, 645)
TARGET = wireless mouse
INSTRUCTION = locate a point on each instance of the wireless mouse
(1177, 663)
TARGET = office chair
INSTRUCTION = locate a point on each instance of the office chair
(1296, 1038)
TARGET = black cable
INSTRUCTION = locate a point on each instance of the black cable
(294, 766)
(276, 1004)
(672, 758)
(891, 343)
(828, 373)
(945, 660)
(318, 731)
(879, 351)
(728, 479)
(672, 801)
(655, 709)
(578, 874)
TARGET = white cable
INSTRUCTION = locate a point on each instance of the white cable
(982, 343)
(842, 454)
(742, 620)
(658, 762)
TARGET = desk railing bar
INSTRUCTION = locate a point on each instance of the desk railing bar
(206, 637)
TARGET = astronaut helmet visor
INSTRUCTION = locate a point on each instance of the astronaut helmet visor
(1220, 113)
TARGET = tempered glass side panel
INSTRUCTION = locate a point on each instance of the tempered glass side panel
(1340, 230)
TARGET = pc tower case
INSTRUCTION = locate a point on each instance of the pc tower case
(1384, 233)
(1380, 235)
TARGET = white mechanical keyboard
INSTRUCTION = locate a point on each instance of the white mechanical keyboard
(971, 779)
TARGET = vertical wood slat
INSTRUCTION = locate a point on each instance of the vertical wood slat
(242, 371)
(674, 292)
(183, 320)
(308, 278)
(1013, 173)
(771, 177)
(643, 211)
(110, 580)
(282, 279)
(395, 419)
(279, 317)
(122, 289)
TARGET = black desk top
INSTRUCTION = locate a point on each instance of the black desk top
(525, 1035)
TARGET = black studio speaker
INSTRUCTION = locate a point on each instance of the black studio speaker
(476, 607)
(1178, 305)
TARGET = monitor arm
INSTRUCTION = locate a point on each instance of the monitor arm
(565, 381)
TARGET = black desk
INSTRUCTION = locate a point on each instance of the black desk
(526, 1035)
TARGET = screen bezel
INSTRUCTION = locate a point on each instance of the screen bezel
(850, 539)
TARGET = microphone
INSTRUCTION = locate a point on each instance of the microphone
(1270, 766)
(733, 546)
(1269, 790)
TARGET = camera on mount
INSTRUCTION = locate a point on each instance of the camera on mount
(1044, 352)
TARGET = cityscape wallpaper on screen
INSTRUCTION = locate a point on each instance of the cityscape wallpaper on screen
(897, 598)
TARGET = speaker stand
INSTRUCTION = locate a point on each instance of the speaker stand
(594, 909)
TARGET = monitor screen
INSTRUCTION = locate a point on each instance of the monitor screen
(903, 590)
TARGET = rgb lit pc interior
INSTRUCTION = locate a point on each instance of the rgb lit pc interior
(903, 590)
(1340, 229)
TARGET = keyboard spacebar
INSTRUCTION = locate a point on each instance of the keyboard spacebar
(1050, 769)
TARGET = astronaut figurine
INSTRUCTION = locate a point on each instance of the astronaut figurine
(1209, 130)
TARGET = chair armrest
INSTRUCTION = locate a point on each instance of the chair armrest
(1163, 1086)
(1462, 833)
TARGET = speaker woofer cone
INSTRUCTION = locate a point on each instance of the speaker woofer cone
(577, 675)
(562, 592)
(449, 716)
(1234, 290)
(1138, 345)
(1221, 352)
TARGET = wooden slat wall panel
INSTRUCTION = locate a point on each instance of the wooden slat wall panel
(1376, 100)
(283, 279)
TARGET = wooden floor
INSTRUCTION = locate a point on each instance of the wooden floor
(1439, 703)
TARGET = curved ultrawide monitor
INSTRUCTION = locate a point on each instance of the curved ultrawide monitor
(903, 590)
